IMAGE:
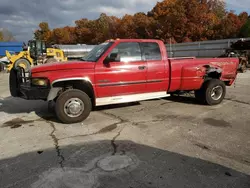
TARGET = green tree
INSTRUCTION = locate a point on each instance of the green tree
(243, 17)
(245, 30)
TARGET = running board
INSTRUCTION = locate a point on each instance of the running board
(130, 98)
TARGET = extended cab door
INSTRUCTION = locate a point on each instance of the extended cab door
(157, 67)
(126, 75)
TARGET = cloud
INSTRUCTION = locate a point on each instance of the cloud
(242, 5)
(23, 17)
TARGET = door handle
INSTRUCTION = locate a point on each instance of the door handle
(142, 67)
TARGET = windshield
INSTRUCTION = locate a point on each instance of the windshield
(97, 52)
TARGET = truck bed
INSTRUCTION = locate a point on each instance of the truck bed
(188, 73)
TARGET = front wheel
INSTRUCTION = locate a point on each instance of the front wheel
(212, 93)
(73, 106)
(14, 83)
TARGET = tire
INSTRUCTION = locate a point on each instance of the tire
(13, 83)
(69, 97)
(51, 60)
(199, 96)
(22, 63)
(212, 93)
(51, 106)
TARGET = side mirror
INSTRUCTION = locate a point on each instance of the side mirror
(114, 57)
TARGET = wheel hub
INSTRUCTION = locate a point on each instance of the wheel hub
(217, 92)
(74, 107)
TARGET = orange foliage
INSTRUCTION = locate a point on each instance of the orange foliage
(178, 20)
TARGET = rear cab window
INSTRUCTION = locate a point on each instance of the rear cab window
(151, 51)
(128, 52)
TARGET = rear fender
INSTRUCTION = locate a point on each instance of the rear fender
(193, 77)
(212, 72)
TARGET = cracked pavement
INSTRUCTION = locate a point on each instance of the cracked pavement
(172, 142)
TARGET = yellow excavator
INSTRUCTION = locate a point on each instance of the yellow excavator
(35, 53)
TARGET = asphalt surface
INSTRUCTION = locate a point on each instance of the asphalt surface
(172, 142)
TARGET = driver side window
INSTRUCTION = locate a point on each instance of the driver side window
(126, 52)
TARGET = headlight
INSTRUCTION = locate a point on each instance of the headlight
(39, 81)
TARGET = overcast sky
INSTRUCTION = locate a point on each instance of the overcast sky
(21, 17)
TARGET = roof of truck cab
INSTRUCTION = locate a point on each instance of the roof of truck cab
(133, 40)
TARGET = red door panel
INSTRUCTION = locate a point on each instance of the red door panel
(157, 76)
(124, 77)
(120, 79)
(157, 67)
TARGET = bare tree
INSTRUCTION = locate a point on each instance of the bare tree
(6, 35)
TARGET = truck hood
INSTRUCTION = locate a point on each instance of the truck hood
(68, 65)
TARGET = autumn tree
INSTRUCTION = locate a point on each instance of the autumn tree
(43, 33)
(200, 20)
(170, 20)
(126, 27)
(184, 20)
(83, 32)
(144, 26)
(65, 35)
(218, 7)
(107, 27)
(96, 31)
(59, 36)
(229, 27)
(243, 17)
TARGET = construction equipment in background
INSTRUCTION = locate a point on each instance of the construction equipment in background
(14, 47)
(75, 51)
(35, 53)
(241, 50)
(21, 59)
(3, 63)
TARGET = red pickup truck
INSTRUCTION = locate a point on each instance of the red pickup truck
(121, 71)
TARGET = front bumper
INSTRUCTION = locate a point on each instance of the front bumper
(20, 84)
(30, 92)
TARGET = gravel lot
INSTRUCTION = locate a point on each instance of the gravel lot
(172, 142)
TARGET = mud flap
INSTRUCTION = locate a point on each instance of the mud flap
(14, 83)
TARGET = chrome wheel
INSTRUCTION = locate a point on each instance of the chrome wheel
(74, 107)
(217, 93)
